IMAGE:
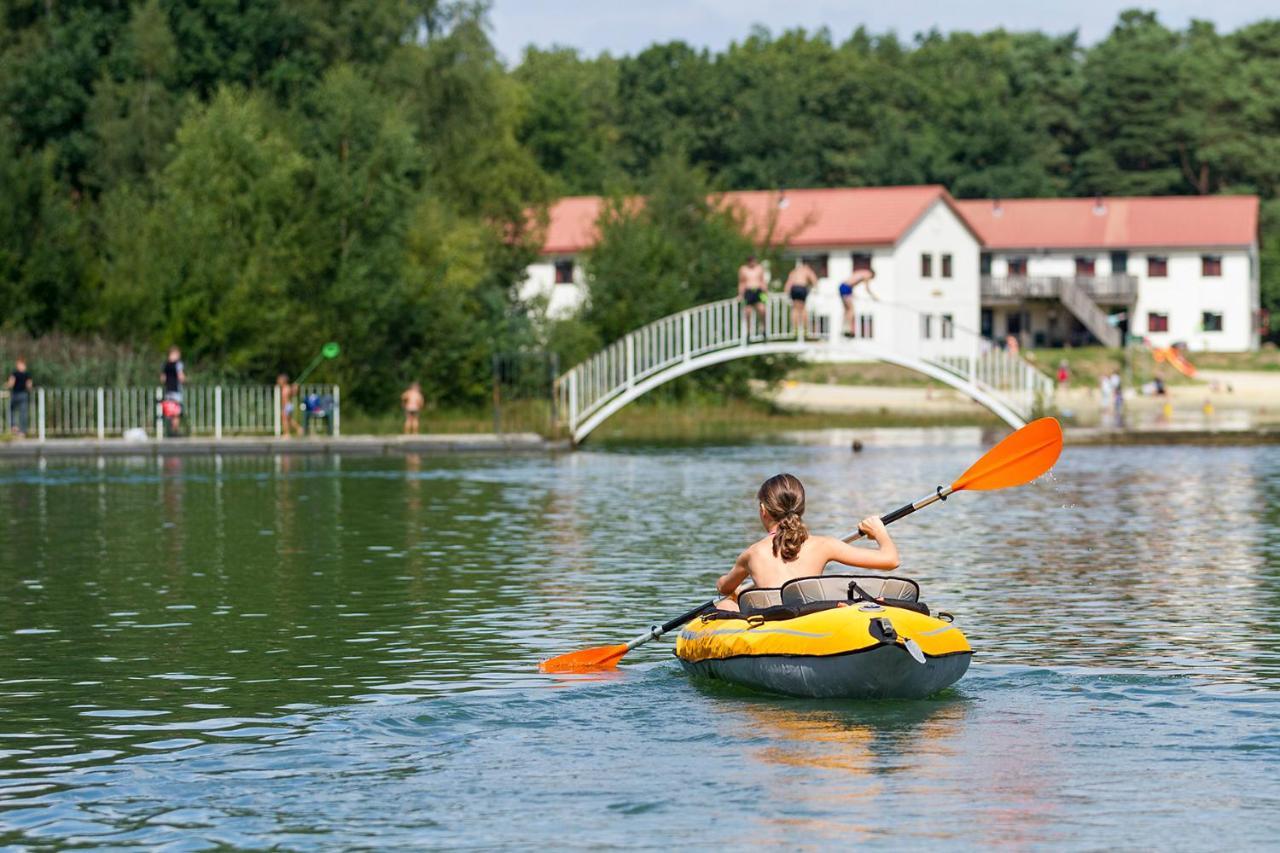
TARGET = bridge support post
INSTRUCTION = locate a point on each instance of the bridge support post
(686, 339)
(573, 402)
(631, 360)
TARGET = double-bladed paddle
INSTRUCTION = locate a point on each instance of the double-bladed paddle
(1018, 459)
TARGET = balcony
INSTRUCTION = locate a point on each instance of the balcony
(1119, 289)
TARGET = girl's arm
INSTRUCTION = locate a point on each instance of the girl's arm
(731, 580)
(885, 558)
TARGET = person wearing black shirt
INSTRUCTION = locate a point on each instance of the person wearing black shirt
(173, 376)
(19, 386)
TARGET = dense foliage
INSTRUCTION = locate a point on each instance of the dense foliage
(250, 179)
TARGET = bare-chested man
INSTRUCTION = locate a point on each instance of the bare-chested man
(847, 288)
(799, 281)
(752, 285)
(412, 402)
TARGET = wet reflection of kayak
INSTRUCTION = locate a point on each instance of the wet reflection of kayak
(865, 637)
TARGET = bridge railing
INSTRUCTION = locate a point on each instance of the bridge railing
(712, 332)
(666, 342)
(208, 410)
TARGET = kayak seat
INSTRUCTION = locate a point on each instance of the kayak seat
(757, 598)
(836, 588)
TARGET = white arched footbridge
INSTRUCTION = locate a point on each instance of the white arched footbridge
(716, 332)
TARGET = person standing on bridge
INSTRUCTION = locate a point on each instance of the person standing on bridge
(752, 285)
(847, 287)
(799, 281)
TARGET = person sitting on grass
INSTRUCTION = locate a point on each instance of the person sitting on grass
(789, 551)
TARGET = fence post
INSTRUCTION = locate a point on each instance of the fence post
(275, 407)
(217, 411)
(40, 411)
(553, 365)
(102, 415)
(337, 409)
(497, 394)
(159, 414)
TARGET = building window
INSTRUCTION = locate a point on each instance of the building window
(948, 328)
(1085, 267)
(926, 265)
(984, 263)
(987, 322)
(564, 272)
(1211, 321)
(1119, 263)
(926, 326)
(1211, 266)
(1157, 266)
(866, 326)
(861, 261)
(946, 266)
(819, 264)
(1157, 322)
(1018, 267)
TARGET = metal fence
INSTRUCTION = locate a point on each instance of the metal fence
(207, 410)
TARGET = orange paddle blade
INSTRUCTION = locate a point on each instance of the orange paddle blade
(601, 657)
(1019, 459)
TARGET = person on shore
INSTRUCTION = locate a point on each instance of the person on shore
(799, 281)
(1064, 375)
(1117, 397)
(789, 551)
(288, 406)
(847, 288)
(752, 286)
(20, 386)
(174, 376)
(412, 402)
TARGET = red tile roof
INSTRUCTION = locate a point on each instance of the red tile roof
(880, 216)
(871, 216)
(1084, 223)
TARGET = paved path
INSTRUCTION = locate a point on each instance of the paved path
(375, 445)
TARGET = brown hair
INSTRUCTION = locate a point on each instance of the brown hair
(782, 497)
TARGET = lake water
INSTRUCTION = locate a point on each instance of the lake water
(310, 653)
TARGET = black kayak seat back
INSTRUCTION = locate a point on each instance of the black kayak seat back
(827, 588)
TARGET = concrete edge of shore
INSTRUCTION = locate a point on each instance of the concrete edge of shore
(440, 444)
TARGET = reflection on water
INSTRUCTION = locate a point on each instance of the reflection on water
(284, 651)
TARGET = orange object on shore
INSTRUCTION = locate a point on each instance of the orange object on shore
(1174, 357)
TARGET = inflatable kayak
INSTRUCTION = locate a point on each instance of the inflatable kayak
(854, 636)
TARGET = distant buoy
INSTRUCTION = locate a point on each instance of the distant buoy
(857, 446)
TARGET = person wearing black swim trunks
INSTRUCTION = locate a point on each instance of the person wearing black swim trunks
(858, 277)
(751, 289)
(799, 281)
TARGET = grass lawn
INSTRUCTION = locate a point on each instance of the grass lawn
(1090, 364)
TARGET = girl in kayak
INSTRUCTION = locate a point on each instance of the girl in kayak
(788, 551)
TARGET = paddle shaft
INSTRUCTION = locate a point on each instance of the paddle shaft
(657, 631)
(939, 494)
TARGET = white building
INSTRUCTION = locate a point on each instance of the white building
(1048, 271)
(1176, 269)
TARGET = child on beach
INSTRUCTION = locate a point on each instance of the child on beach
(788, 551)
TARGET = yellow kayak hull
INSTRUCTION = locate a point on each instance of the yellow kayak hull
(858, 651)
